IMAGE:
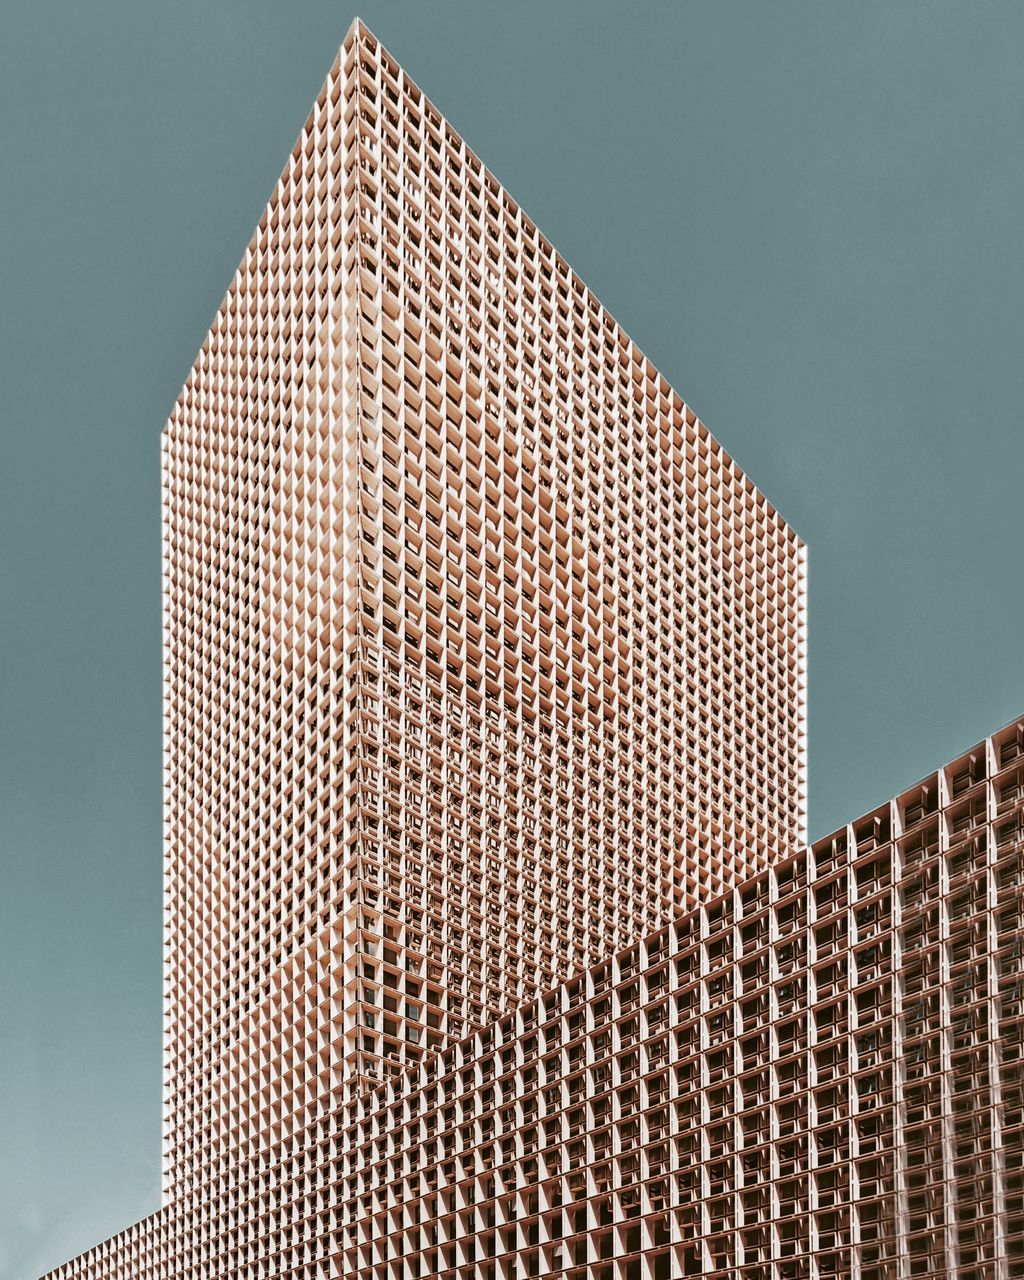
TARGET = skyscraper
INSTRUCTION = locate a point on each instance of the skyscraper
(483, 659)
(484, 682)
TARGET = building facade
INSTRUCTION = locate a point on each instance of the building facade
(492, 944)
(818, 1074)
(482, 658)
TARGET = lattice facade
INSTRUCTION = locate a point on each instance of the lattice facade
(474, 635)
(483, 662)
(821, 1074)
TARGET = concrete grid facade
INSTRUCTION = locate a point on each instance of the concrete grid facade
(473, 636)
(820, 1074)
(485, 673)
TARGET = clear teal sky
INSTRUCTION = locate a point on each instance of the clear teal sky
(808, 215)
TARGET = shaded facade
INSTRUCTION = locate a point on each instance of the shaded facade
(484, 682)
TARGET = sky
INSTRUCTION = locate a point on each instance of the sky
(807, 215)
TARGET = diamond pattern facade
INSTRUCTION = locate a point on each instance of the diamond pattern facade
(484, 682)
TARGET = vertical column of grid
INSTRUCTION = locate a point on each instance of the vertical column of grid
(973, 1161)
(788, 958)
(678, 1178)
(874, 1090)
(899, 1190)
(722, 1106)
(828, 1142)
(1006, 938)
(922, 1030)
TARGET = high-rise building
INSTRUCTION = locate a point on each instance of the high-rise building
(483, 659)
(492, 943)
